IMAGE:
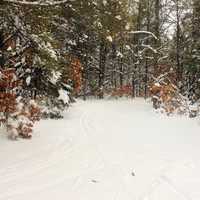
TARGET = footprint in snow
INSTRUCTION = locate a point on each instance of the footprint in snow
(132, 173)
(94, 181)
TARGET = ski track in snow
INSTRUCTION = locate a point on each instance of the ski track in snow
(104, 150)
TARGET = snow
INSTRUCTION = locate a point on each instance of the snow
(28, 80)
(119, 54)
(118, 17)
(109, 38)
(127, 27)
(44, 46)
(9, 48)
(105, 2)
(144, 32)
(55, 76)
(103, 150)
(157, 84)
(63, 95)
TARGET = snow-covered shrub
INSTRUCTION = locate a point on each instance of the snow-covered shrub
(194, 110)
(37, 63)
(21, 122)
(53, 108)
(167, 98)
(16, 113)
(57, 99)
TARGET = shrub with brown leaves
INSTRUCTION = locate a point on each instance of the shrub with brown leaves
(16, 113)
(124, 91)
(167, 98)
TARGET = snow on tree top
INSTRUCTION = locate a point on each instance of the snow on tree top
(109, 38)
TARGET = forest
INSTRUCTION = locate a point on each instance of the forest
(54, 51)
(99, 99)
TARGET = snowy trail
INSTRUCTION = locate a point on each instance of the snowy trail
(104, 150)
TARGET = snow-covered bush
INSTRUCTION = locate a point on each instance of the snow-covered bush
(167, 98)
(56, 97)
(16, 113)
(21, 122)
(37, 63)
(53, 108)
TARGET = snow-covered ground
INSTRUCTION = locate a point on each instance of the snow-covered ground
(104, 150)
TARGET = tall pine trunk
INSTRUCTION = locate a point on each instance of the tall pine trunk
(146, 55)
(102, 67)
(178, 58)
(157, 33)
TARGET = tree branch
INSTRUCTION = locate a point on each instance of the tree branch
(38, 2)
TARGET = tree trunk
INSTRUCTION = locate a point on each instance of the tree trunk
(102, 67)
(178, 63)
(121, 68)
(147, 61)
(157, 33)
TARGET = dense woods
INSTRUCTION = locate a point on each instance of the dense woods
(53, 51)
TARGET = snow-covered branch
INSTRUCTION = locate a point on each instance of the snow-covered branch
(144, 32)
(37, 3)
(149, 47)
